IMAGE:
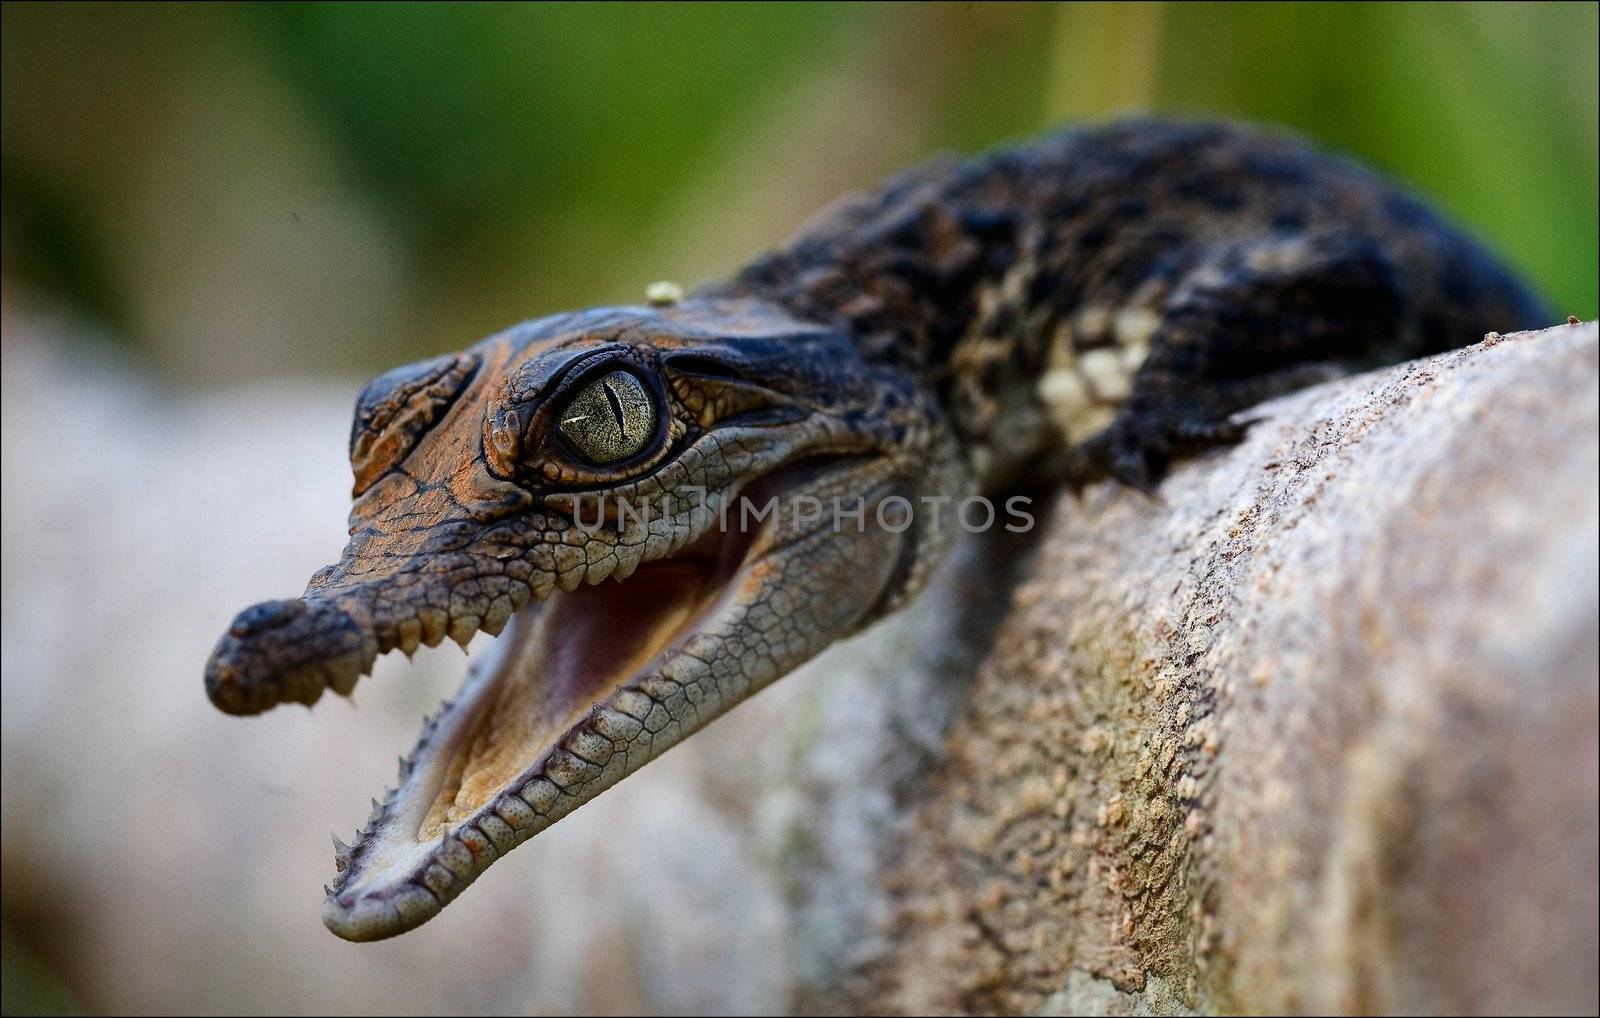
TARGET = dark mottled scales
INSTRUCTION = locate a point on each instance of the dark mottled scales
(1227, 264)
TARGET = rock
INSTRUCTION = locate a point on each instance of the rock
(1313, 732)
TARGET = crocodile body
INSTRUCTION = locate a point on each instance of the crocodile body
(1090, 306)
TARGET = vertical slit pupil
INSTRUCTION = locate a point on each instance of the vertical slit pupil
(616, 408)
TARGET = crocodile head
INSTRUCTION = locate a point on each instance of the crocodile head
(597, 486)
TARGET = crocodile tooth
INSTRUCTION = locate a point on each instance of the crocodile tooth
(341, 854)
(405, 768)
(377, 812)
(494, 620)
(342, 675)
(463, 629)
(434, 623)
(408, 636)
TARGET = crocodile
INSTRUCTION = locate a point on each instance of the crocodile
(1090, 306)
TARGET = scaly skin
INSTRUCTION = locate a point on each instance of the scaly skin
(1090, 306)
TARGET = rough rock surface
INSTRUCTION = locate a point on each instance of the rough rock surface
(1314, 732)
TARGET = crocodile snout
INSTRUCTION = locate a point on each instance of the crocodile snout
(283, 651)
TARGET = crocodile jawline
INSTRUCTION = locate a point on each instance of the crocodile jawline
(568, 696)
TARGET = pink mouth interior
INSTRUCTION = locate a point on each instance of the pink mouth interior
(575, 654)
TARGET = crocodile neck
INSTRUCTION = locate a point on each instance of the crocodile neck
(934, 274)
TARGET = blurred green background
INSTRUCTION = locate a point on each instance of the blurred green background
(235, 192)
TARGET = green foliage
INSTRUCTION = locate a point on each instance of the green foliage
(461, 112)
(530, 157)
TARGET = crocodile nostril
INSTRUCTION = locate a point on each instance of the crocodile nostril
(266, 615)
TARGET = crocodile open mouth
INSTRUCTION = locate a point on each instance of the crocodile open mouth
(601, 660)
(576, 693)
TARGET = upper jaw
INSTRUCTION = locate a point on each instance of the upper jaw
(461, 576)
(292, 651)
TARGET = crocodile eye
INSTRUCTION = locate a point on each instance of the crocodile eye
(609, 419)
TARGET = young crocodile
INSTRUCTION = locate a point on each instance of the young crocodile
(1092, 305)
